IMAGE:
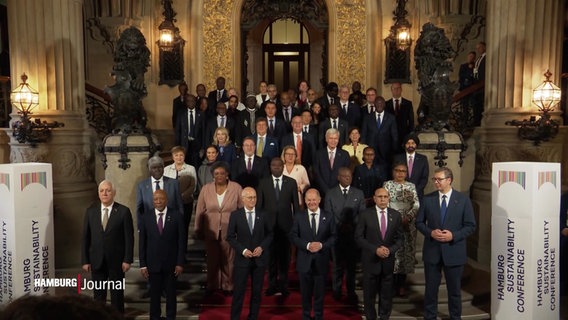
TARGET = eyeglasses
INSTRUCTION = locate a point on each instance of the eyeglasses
(438, 179)
(289, 154)
(400, 170)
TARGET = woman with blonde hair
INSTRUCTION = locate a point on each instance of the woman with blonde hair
(227, 150)
(295, 170)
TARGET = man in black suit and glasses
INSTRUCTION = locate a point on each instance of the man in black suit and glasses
(250, 234)
(379, 234)
(107, 244)
(313, 233)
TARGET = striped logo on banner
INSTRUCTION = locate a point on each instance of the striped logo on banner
(34, 177)
(518, 177)
(5, 180)
(547, 176)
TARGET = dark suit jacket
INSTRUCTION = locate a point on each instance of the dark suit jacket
(211, 126)
(481, 69)
(369, 238)
(404, 118)
(314, 132)
(353, 115)
(279, 212)
(368, 180)
(383, 140)
(212, 99)
(145, 196)
(459, 220)
(301, 235)
(182, 129)
(162, 252)
(271, 149)
(345, 210)
(280, 115)
(465, 76)
(114, 245)
(308, 147)
(280, 129)
(243, 126)
(240, 238)
(342, 127)
(177, 108)
(240, 175)
(420, 171)
(326, 177)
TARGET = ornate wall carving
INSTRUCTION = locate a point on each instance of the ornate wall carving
(218, 51)
(351, 39)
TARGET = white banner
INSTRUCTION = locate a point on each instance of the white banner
(26, 229)
(524, 240)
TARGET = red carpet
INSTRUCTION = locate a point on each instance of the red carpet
(218, 307)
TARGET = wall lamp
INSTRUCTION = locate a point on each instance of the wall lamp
(171, 46)
(398, 46)
(27, 129)
(545, 97)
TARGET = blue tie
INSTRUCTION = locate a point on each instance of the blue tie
(378, 121)
(443, 208)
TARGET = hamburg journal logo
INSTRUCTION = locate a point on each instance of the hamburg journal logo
(80, 283)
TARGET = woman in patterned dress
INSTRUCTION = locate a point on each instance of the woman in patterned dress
(404, 199)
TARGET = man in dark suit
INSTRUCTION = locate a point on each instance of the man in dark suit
(249, 234)
(278, 197)
(179, 103)
(162, 253)
(156, 181)
(220, 120)
(313, 233)
(379, 234)
(336, 123)
(277, 128)
(345, 203)
(328, 161)
(309, 128)
(302, 142)
(286, 111)
(349, 110)
(329, 97)
(219, 95)
(189, 131)
(266, 145)
(249, 168)
(446, 219)
(368, 176)
(417, 164)
(245, 125)
(369, 108)
(402, 110)
(479, 75)
(107, 243)
(380, 132)
(272, 97)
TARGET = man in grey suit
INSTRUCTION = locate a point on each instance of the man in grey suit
(107, 243)
(345, 203)
(446, 219)
(379, 234)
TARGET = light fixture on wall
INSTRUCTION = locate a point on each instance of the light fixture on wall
(398, 46)
(28, 129)
(545, 97)
(171, 48)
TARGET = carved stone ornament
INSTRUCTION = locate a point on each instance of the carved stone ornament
(351, 36)
(255, 11)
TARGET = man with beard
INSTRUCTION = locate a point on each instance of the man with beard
(418, 169)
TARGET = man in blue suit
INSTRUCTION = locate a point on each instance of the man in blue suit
(162, 253)
(328, 161)
(250, 235)
(446, 220)
(313, 233)
(266, 145)
(156, 181)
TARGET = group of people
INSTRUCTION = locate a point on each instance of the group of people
(343, 184)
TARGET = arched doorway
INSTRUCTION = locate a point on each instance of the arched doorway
(283, 42)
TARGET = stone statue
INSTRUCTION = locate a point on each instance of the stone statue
(131, 61)
(433, 58)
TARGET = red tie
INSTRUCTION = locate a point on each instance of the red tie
(249, 165)
(298, 148)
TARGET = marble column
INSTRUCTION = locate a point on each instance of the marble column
(46, 42)
(524, 39)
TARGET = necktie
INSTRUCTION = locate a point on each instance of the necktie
(334, 124)
(160, 222)
(277, 188)
(190, 131)
(331, 159)
(249, 165)
(298, 148)
(218, 95)
(410, 164)
(396, 106)
(378, 120)
(260, 147)
(271, 127)
(345, 192)
(223, 122)
(345, 108)
(443, 208)
(372, 107)
(105, 218)
(157, 185)
(252, 120)
(250, 221)
(286, 115)
(383, 224)
(331, 101)
(306, 129)
(314, 227)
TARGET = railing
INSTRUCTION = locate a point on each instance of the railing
(5, 106)
(461, 116)
(99, 110)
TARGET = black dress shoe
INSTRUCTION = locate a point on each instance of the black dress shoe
(270, 291)
(285, 292)
(228, 293)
